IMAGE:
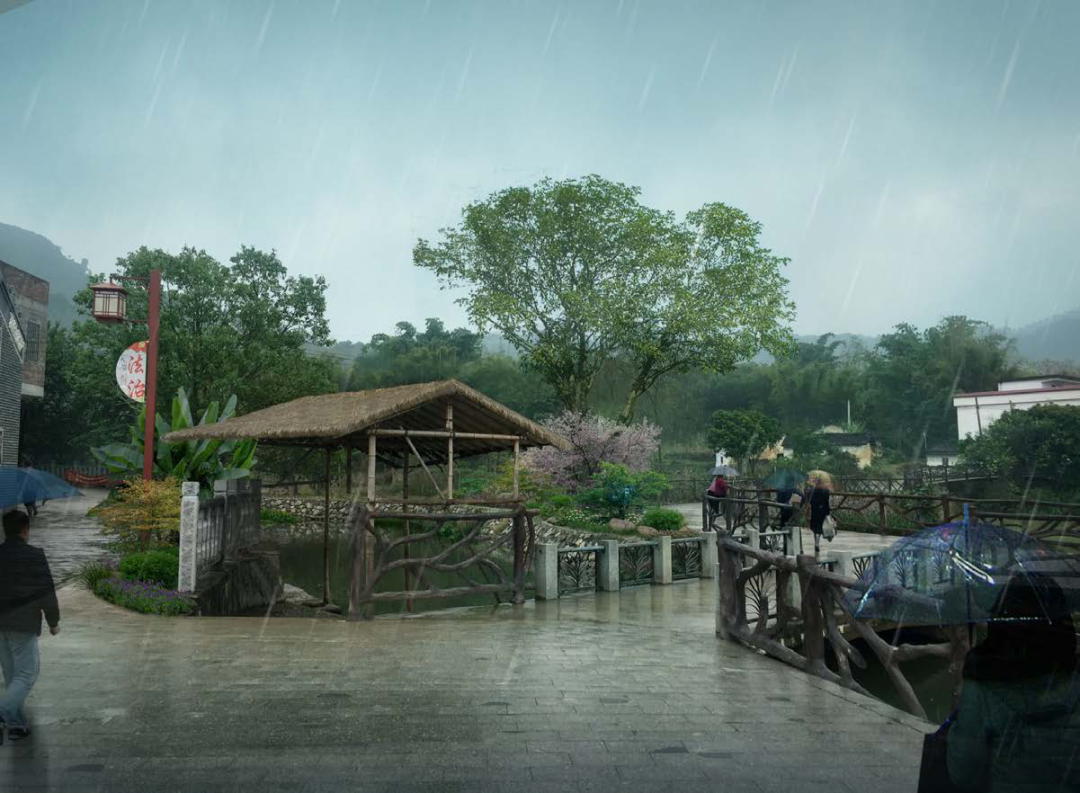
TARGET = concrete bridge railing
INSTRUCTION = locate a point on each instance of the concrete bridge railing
(611, 565)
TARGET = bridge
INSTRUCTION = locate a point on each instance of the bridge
(625, 690)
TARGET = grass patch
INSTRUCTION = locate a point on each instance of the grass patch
(273, 517)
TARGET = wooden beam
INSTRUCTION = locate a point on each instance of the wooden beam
(473, 436)
(424, 466)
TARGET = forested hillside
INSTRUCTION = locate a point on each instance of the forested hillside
(40, 256)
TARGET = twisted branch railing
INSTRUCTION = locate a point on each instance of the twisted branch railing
(817, 617)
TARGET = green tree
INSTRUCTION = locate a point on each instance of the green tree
(912, 377)
(1041, 443)
(505, 381)
(577, 272)
(408, 356)
(743, 434)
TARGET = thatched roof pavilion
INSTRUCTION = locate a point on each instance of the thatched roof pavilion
(396, 415)
(434, 423)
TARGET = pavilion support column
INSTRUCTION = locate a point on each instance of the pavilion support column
(406, 553)
(348, 470)
(517, 449)
(367, 536)
(450, 452)
(326, 532)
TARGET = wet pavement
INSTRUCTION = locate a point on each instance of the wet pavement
(613, 691)
(67, 534)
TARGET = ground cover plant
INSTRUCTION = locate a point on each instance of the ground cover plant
(147, 598)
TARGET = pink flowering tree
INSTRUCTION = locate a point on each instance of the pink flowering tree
(593, 440)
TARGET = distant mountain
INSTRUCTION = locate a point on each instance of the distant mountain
(40, 256)
(1054, 339)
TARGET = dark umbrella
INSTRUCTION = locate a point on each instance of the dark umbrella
(25, 485)
(723, 470)
(785, 479)
(956, 574)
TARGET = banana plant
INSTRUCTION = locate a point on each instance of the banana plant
(193, 461)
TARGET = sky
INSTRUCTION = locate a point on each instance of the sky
(912, 159)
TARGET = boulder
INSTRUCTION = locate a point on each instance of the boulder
(647, 531)
(330, 608)
(295, 595)
(620, 525)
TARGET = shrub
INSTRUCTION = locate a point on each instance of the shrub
(142, 513)
(158, 567)
(616, 490)
(663, 519)
(273, 516)
(144, 597)
(92, 572)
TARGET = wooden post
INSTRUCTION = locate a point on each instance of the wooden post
(405, 525)
(762, 514)
(367, 536)
(450, 452)
(882, 516)
(946, 507)
(517, 448)
(371, 470)
(726, 622)
(326, 532)
(356, 580)
(348, 470)
(813, 620)
(729, 515)
(518, 525)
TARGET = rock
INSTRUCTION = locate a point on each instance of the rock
(620, 525)
(295, 595)
(330, 608)
(647, 531)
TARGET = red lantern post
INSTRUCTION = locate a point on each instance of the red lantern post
(110, 305)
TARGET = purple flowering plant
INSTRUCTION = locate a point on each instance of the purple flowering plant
(148, 598)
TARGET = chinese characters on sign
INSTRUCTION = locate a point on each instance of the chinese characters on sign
(131, 371)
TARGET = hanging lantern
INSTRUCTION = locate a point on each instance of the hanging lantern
(110, 302)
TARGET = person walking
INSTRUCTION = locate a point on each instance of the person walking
(26, 592)
(716, 493)
(817, 497)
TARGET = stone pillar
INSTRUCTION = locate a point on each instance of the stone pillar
(753, 538)
(661, 561)
(710, 558)
(845, 565)
(607, 574)
(189, 529)
(546, 571)
(795, 545)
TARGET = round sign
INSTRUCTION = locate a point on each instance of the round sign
(131, 371)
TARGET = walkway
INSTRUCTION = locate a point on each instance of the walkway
(627, 691)
(855, 541)
(67, 534)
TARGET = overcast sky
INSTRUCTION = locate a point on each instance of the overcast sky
(913, 159)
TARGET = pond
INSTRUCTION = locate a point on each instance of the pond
(302, 565)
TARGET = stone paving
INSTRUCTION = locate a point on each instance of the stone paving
(67, 534)
(613, 691)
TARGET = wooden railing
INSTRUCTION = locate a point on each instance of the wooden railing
(792, 619)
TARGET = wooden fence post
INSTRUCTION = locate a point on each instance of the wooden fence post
(729, 566)
(519, 558)
(813, 620)
(946, 507)
(762, 514)
(883, 519)
(729, 515)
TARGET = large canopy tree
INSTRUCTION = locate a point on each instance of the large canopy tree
(577, 272)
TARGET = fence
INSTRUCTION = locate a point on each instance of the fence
(611, 566)
(214, 530)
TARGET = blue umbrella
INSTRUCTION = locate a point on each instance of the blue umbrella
(955, 574)
(24, 485)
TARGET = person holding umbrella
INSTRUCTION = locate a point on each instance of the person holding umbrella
(718, 491)
(819, 488)
(1017, 726)
(787, 483)
(26, 593)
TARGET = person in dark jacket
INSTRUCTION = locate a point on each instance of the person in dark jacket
(26, 592)
(817, 497)
(1017, 726)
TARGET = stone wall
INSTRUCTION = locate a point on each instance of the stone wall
(308, 509)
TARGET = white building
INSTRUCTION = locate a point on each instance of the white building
(978, 410)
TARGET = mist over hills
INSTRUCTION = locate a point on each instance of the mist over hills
(40, 256)
(1054, 339)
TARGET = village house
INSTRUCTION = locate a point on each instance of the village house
(978, 410)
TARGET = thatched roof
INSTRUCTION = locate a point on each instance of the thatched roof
(334, 420)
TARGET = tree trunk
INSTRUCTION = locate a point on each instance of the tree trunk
(626, 416)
